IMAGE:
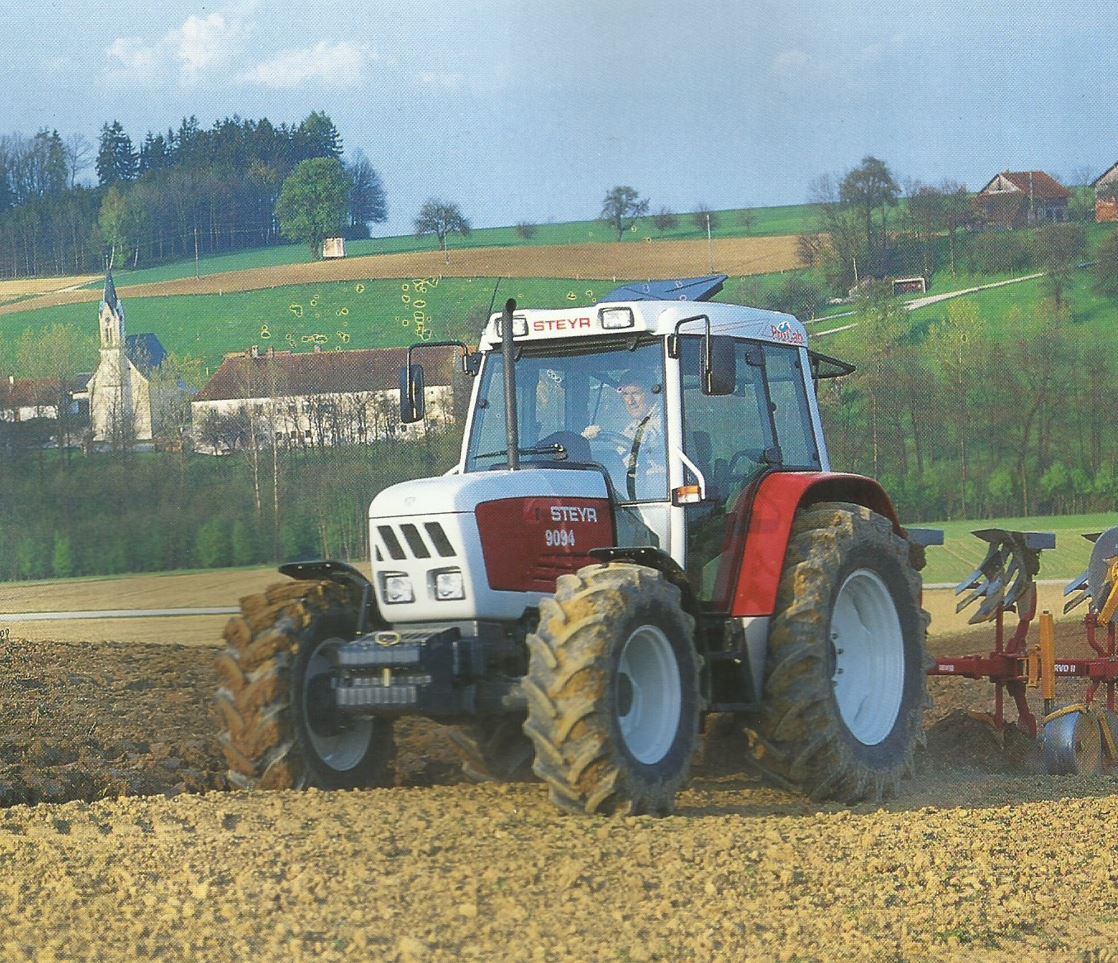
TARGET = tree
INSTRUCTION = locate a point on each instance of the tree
(367, 199)
(314, 202)
(116, 158)
(867, 188)
(316, 136)
(747, 219)
(621, 207)
(441, 218)
(1106, 266)
(526, 231)
(705, 219)
(55, 355)
(1059, 246)
(664, 220)
(79, 154)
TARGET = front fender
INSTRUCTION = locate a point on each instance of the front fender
(761, 526)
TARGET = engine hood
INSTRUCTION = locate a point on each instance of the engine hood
(450, 494)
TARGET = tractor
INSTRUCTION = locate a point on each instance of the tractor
(642, 530)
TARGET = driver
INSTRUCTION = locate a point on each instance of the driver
(640, 444)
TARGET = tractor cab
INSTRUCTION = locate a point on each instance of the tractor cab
(668, 408)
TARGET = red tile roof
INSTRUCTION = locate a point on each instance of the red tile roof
(26, 393)
(1044, 187)
(285, 374)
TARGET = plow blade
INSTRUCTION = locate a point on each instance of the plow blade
(1005, 574)
(1096, 585)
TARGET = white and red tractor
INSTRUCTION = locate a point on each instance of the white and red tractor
(643, 529)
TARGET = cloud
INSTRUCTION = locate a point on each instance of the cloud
(340, 62)
(203, 43)
(203, 48)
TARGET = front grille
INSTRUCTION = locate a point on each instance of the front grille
(409, 541)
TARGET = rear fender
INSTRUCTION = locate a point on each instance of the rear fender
(762, 526)
(327, 570)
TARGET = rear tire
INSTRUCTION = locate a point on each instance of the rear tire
(846, 671)
(279, 727)
(613, 692)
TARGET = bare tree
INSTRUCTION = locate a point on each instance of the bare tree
(621, 207)
(79, 156)
(441, 218)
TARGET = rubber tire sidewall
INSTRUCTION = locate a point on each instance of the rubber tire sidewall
(334, 622)
(640, 776)
(894, 747)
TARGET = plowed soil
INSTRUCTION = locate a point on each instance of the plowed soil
(119, 841)
(632, 261)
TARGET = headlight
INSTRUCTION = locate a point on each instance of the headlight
(613, 318)
(397, 588)
(449, 584)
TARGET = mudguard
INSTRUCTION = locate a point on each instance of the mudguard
(761, 525)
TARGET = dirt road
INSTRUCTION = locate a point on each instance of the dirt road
(131, 851)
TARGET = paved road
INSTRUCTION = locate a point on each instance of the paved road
(109, 614)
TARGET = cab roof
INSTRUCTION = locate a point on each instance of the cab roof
(655, 318)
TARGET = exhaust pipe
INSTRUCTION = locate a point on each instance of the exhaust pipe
(512, 426)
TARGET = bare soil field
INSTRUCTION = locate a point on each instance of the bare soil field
(24, 287)
(657, 259)
(120, 842)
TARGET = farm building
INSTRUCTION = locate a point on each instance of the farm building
(1023, 198)
(123, 400)
(314, 399)
(1106, 195)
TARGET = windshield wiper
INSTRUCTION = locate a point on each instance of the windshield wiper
(557, 452)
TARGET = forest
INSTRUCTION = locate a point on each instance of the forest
(186, 193)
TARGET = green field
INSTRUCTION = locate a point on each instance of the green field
(962, 552)
(767, 222)
(335, 315)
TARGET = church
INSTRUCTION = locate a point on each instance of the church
(123, 400)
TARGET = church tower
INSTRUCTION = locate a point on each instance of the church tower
(111, 406)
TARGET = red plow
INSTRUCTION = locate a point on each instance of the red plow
(1078, 737)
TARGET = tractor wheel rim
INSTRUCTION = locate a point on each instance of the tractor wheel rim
(649, 695)
(350, 742)
(869, 657)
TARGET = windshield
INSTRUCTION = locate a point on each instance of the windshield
(602, 406)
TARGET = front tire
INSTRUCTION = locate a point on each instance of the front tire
(280, 729)
(846, 671)
(613, 691)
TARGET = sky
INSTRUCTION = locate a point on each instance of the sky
(532, 110)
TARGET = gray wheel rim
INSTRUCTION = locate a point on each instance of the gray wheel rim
(345, 750)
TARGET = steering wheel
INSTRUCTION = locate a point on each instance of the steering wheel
(604, 448)
(613, 438)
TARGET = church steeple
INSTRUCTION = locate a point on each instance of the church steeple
(110, 297)
(112, 317)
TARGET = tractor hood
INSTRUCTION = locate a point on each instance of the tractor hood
(484, 545)
(463, 493)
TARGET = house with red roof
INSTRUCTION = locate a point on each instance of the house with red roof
(1015, 199)
(314, 400)
(1106, 195)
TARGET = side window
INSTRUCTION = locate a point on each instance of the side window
(790, 408)
(725, 435)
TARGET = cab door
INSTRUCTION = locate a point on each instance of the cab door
(733, 439)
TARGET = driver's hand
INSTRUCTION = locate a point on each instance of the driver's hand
(591, 431)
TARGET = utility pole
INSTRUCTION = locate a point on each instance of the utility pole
(196, 275)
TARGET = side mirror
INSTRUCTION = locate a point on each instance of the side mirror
(412, 403)
(718, 372)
